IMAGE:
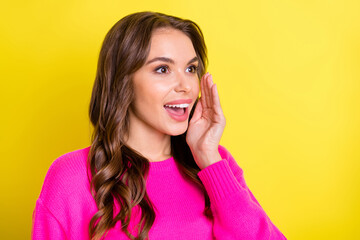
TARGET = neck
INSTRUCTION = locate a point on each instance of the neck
(154, 146)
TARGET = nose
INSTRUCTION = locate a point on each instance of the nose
(183, 83)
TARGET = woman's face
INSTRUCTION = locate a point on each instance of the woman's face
(166, 86)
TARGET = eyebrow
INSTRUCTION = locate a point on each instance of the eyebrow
(169, 60)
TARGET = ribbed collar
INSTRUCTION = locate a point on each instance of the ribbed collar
(165, 165)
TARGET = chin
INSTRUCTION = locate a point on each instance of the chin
(178, 131)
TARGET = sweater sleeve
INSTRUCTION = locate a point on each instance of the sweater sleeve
(237, 214)
(45, 225)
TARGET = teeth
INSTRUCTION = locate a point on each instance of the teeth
(185, 105)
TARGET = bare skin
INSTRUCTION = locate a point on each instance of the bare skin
(161, 81)
(207, 125)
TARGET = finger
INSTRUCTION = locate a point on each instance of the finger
(202, 89)
(203, 93)
(208, 91)
(216, 100)
(211, 95)
(197, 112)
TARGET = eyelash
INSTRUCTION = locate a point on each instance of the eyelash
(195, 68)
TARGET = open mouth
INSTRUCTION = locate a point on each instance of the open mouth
(177, 109)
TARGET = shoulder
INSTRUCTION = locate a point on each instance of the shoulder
(68, 165)
(66, 174)
(70, 161)
(65, 200)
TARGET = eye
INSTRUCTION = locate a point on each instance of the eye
(162, 69)
(192, 69)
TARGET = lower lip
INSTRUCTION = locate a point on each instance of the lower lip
(179, 118)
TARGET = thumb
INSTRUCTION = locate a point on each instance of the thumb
(197, 112)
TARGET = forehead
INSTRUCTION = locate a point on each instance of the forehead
(172, 43)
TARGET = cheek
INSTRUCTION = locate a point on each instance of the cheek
(141, 101)
(196, 88)
(150, 95)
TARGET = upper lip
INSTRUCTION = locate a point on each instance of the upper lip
(179, 101)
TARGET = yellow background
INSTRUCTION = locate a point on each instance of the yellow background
(288, 76)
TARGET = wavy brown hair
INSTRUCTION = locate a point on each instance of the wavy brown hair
(118, 172)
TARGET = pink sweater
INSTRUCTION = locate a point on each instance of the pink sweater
(65, 205)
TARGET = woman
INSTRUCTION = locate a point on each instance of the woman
(155, 169)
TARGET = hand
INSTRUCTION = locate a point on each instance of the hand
(206, 125)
